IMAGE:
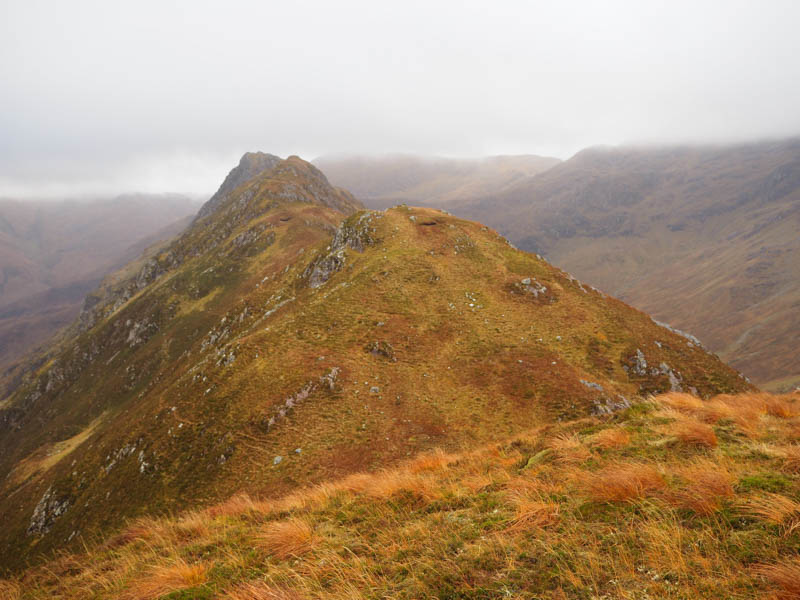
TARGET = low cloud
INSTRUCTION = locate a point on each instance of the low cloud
(164, 96)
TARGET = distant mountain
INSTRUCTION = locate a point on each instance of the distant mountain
(389, 180)
(705, 238)
(53, 253)
(287, 337)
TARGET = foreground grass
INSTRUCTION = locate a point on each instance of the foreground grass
(673, 498)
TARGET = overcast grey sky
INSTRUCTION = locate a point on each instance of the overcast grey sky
(110, 96)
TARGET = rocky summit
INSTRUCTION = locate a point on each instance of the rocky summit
(288, 337)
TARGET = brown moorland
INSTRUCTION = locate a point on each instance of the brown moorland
(652, 517)
(289, 337)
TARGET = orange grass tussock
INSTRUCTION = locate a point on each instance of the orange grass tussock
(693, 433)
(431, 461)
(785, 575)
(531, 514)
(142, 529)
(569, 448)
(236, 505)
(783, 407)
(284, 539)
(774, 508)
(261, 591)
(790, 456)
(165, 579)
(622, 482)
(744, 409)
(386, 484)
(615, 437)
(707, 485)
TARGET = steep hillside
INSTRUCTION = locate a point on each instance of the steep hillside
(384, 181)
(703, 238)
(280, 342)
(53, 253)
(671, 498)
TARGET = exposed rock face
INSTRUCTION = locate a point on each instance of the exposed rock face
(639, 363)
(353, 234)
(251, 165)
(50, 508)
(653, 379)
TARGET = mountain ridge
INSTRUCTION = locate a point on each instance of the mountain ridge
(700, 236)
(279, 341)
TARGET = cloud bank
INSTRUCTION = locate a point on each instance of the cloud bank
(163, 96)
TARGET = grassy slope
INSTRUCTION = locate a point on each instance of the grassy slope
(703, 238)
(673, 498)
(465, 356)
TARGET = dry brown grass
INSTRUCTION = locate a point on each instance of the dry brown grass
(790, 457)
(569, 448)
(148, 529)
(532, 514)
(524, 487)
(744, 410)
(431, 461)
(785, 575)
(236, 505)
(693, 433)
(193, 524)
(477, 482)
(685, 403)
(309, 498)
(622, 482)
(10, 590)
(708, 484)
(664, 541)
(388, 483)
(284, 539)
(538, 508)
(783, 407)
(135, 532)
(615, 437)
(261, 591)
(391, 483)
(775, 508)
(166, 579)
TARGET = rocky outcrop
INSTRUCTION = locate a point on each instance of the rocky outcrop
(355, 233)
(49, 508)
(325, 382)
(688, 336)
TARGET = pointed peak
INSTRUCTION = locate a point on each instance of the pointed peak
(257, 161)
(250, 165)
(263, 176)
